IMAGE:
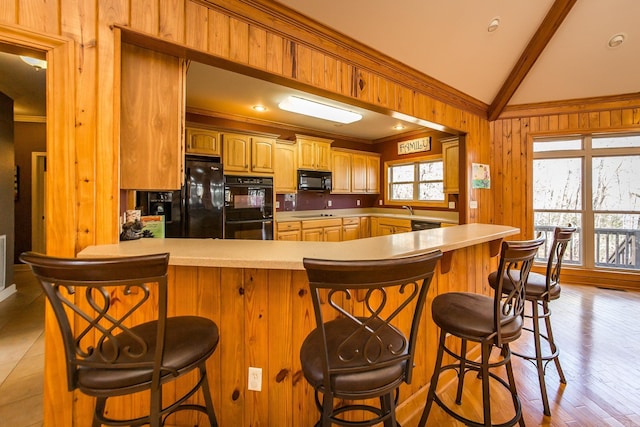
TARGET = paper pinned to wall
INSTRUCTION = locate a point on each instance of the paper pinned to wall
(480, 176)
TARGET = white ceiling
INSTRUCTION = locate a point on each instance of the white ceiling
(449, 41)
(446, 40)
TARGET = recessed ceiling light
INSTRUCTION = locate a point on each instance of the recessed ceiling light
(38, 64)
(259, 108)
(398, 127)
(307, 107)
(493, 24)
(616, 40)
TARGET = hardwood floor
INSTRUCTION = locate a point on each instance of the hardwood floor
(598, 331)
(22, 354)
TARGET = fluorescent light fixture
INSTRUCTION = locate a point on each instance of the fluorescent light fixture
(38, 64)
(298, 105)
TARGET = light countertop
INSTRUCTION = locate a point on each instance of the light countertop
(288, 255)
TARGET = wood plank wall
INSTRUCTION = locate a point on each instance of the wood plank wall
(84, 96)
(511, 160)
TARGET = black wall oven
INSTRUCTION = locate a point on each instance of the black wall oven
(248, 207)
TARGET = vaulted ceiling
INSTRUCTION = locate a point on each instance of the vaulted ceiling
(542, 51)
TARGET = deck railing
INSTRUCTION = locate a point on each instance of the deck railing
(614, 247)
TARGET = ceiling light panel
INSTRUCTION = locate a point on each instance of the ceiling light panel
(307, 107)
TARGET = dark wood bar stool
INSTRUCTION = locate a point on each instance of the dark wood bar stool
(95, 302)
(367, 320)
(539, 290)
(489, 321)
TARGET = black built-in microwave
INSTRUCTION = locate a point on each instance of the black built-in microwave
(314, 180)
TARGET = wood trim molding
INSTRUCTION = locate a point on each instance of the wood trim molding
(306, 31)
(558, 12)
(585, 105)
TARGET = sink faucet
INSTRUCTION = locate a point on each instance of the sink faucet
(409, 208)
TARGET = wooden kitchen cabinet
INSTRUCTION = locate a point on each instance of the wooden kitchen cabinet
(350, 228)
(286, 165)
(203, 141)
(314, 153)
(340, 171)
(290, 230)
(373, 174)
(381, 226)
(151, 119)
(322, 230)
(354, 172)
(451, 162)
(365, 227)
(247, 153)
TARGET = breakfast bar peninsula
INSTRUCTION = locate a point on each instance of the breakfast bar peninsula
(257, 293)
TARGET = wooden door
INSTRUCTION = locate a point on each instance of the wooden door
(262, 154)
(373, 174)
(236, 152)
(359, 173)
(203, 141)
(323, 156)
(286, 165)
(333, 233)
(341, 172)
(151, 117)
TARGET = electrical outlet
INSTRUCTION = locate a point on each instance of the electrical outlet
(452, 205)
(329, 204)
(473, 204)
(380, 202)
(357, 202)
(255, 379)
(277, 204)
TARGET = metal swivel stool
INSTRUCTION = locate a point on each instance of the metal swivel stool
(539, 290)
(367, 320)
(488, 321)
(96, 302)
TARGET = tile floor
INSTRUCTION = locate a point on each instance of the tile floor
(22, 354)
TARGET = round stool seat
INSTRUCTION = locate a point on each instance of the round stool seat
(535, 288)
(470, 316)
(339, 331)
(188, 340)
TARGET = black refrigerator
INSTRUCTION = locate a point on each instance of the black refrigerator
(197, 210)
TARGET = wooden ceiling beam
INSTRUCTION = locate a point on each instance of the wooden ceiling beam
(557, 13)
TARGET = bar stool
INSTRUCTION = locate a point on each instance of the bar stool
(367, 320)
(489, 321)
(95, 302)
(539, 290)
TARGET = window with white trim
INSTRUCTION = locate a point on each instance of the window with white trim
(419, 182)
(592, 182)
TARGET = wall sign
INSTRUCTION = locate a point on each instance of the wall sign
(415, 145)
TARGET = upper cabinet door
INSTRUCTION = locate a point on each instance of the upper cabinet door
(203, 141)
(151, 119)
(262, 154)
(236, 152)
